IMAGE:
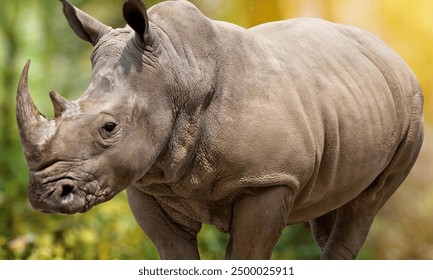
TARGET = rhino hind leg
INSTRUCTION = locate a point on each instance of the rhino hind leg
(348, 233)
(353, 220)
(321, 228)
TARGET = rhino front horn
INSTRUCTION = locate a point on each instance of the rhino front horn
(35, 129)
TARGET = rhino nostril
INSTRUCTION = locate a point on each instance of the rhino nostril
(66, 190)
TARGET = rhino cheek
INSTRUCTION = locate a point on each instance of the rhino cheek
(94, 194)
(118, 168)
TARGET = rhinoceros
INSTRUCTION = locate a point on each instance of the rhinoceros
(249, 130)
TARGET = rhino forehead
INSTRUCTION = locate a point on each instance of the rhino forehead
(111, 44)
(118, 57)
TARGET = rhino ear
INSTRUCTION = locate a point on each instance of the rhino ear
(135, 14)
(85, 26)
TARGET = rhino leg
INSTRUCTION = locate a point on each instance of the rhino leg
(172, 240)
(348, 233)
(258, 221)
(321, 228)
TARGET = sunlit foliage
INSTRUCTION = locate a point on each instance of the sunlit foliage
(60, 61)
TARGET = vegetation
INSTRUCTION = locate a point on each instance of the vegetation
(37, 30)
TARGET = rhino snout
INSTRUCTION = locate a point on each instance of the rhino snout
(62, 196)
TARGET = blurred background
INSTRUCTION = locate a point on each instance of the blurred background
(60, 61)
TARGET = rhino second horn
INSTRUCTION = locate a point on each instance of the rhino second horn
(35, 129)
(60, 104)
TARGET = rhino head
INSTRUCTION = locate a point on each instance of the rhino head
(111, 136)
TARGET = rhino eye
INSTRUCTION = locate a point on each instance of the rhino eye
(109, 127)
(108, 130)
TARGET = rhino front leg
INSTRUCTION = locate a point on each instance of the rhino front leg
(172, 240)
(258, 221)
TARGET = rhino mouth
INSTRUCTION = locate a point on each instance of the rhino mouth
(66, 196)
(61, 196)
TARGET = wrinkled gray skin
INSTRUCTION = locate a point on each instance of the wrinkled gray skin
(249, 130)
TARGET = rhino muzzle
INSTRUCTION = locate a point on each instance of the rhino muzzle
(62, 196)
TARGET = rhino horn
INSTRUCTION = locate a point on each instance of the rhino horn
(35, 129)
(60, 104)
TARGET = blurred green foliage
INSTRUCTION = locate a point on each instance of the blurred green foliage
(38, 30)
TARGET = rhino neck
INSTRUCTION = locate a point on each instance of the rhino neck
(190, 109)
(198, 54)
(191, 64)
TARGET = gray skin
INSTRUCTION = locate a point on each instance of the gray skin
(249, 130)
